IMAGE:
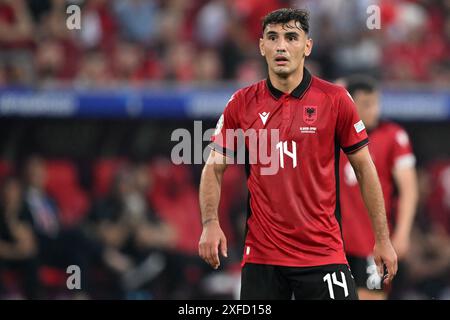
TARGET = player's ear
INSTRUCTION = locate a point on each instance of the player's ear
(261, 47)
(308, 47)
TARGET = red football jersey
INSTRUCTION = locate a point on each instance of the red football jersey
(437, 203)
(292, 212)
(389, 147)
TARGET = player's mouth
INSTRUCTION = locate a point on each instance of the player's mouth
(281, 60)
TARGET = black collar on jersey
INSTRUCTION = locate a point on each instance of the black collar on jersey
(297, 92)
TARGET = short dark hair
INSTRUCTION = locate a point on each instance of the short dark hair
(361, 83)
(285, 15)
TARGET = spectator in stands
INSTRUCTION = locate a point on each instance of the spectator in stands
(57, 247)
(228, 28)
(128, 62)
(151, 231)
(249, 71)
(52, 30)
(53, 21)
(410, 49)
(428, 265)
(177, 19)
(441, 73)
(208, 68)
(428, 260)
(16, 40)
(94, 70)
(174, 196)
(212, 23)
(109, 214)
(125, 222)
(49, 60)
(251, 11)
(16, 24)
(180, 62)
(18, 247)
(137, 19)
(99, 25)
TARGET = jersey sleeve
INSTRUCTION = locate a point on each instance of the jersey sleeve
(402, 152)
(350, 130)
(224, 139)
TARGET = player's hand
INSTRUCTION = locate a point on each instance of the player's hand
(401, 243)
(211, 239)
(384, 255)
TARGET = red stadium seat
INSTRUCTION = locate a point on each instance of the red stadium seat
(175, 199)
(60, 173)
(49, 277)
(52, 277)
(63, 185)
(103, 173)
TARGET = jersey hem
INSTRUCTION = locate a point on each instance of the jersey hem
(289, 263)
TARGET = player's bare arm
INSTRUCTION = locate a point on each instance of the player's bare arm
(212, 236)
(406, 181)
(372, 194)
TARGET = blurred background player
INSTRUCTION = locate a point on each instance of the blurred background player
(392, 154)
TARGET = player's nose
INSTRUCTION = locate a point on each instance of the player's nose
(281, 45)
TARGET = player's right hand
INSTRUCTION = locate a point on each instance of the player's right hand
(384, 255)
(211, 239)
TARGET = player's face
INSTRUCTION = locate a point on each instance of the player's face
(368, 107)
(37, 173)
(285, 47)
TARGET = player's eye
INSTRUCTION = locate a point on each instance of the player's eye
(272, 38)
(291, 38)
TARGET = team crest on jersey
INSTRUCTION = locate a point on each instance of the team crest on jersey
(309, 114)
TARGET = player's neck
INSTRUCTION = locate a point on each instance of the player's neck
(286, 84)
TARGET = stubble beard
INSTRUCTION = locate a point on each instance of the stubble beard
(282, 72)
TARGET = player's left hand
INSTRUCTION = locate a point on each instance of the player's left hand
(384, 255)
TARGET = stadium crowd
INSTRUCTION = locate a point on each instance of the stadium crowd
(139, 41)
